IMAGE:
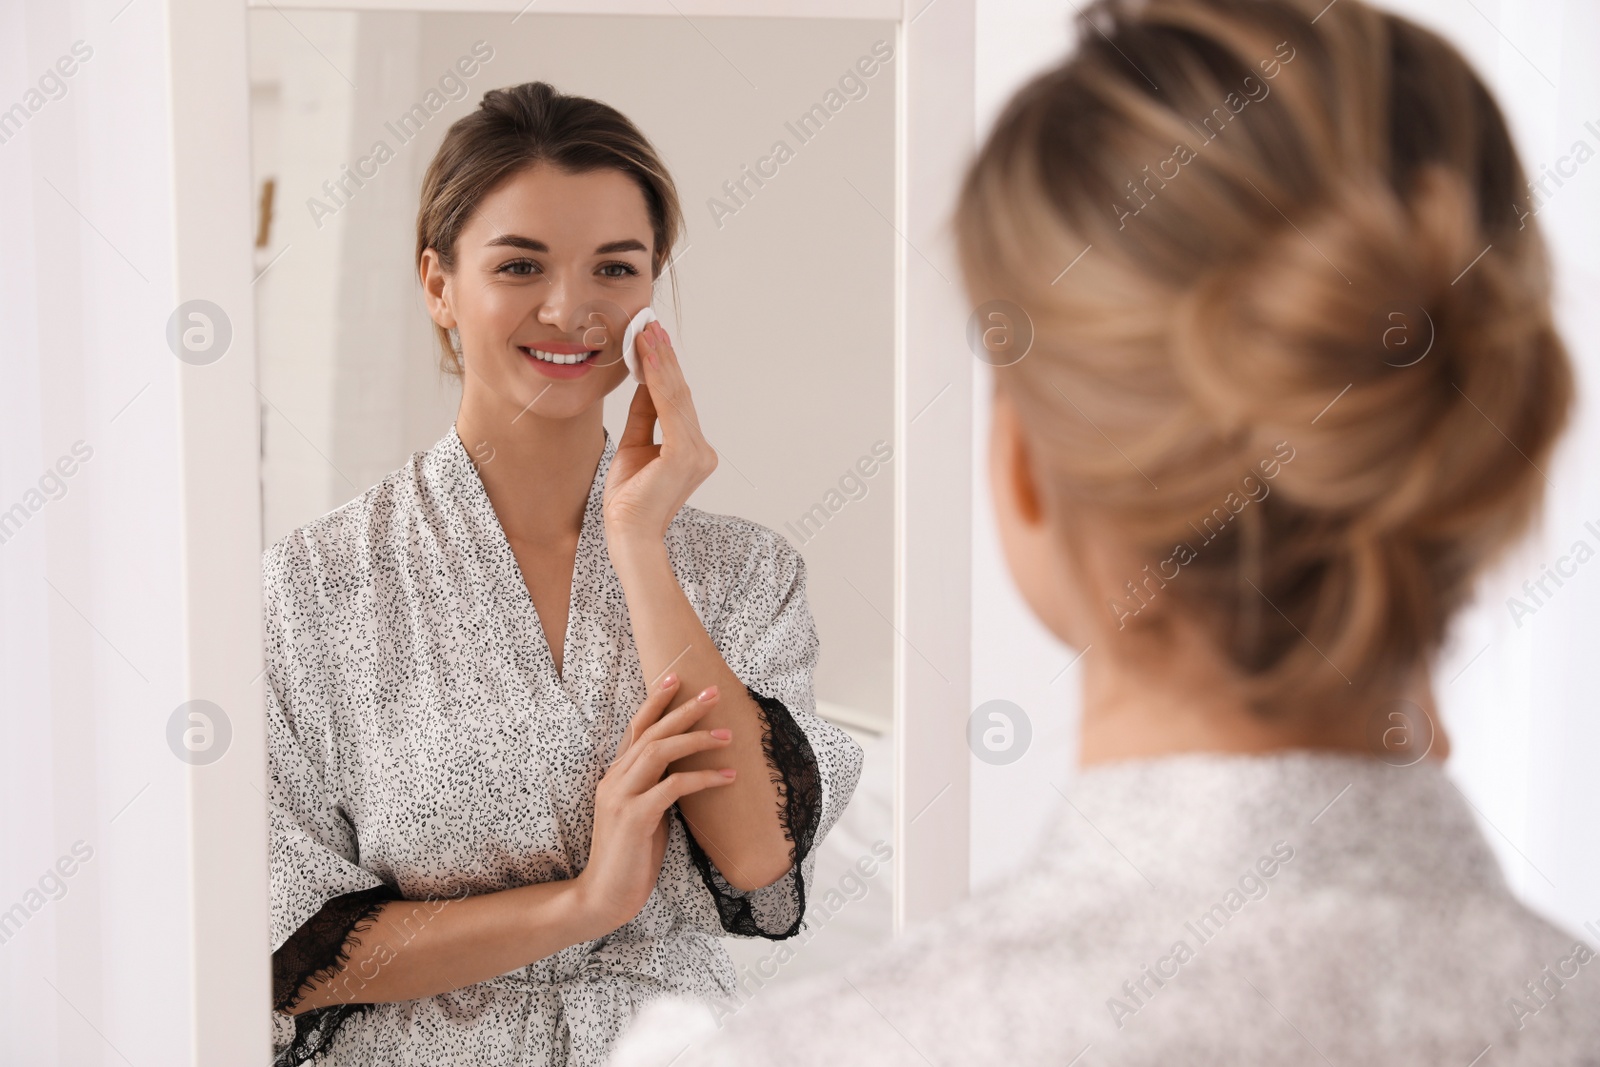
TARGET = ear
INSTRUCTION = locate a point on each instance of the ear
(436, 288)
(1013, 471)
(1031, 548)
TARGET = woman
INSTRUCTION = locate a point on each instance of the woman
(539, 733)
(1316, 329)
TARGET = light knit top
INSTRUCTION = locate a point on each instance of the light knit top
(1294, 908)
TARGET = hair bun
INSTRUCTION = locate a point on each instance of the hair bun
(1358, 333)
(1325, 261)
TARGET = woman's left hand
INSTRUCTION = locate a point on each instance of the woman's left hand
(648, 483)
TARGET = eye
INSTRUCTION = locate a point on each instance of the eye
(628, 269)
(516, 267)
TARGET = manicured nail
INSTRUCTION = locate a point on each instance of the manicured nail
(722, 733)
(669, 681)
(707, 693)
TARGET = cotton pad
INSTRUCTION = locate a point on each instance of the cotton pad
(629, 357)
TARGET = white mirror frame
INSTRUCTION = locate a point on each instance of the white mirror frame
(219, 423)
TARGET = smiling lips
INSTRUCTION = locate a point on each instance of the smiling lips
(561, 357)
(560, 360)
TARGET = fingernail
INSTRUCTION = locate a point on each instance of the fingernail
(722, 734)
(708, 692)
(669, 681)
(728, 772)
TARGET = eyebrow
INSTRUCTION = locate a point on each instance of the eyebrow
(532, 245)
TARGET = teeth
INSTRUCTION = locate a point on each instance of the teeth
(556, 357)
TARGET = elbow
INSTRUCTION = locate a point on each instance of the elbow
(749, 877)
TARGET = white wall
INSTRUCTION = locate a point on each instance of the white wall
(99, 896)
(1013, 657)
(1516, 701)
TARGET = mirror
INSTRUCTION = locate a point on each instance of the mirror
(782, 148)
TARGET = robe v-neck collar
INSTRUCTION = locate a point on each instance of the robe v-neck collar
(510, 617)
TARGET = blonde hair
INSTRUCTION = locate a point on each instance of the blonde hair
(1300, 234)
(519, 127)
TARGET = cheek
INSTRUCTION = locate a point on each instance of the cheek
(1082, 608)
(506, 307)
(493, 309)
(613, 377)
(1031, 558)
(1052, 589)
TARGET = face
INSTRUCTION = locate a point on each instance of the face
(549, 269)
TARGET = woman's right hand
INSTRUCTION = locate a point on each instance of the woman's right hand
(631, 802)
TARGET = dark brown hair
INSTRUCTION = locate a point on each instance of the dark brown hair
(1272, 199)
(521, 126)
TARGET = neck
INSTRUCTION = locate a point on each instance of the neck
(536, 470)
(1188, 703)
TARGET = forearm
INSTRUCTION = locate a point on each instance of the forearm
(736, 825)
(418, 949)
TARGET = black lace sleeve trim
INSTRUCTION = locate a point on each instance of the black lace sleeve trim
(316, 952)
(795, 773)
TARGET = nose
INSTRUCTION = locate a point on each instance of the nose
(558, 305)
(582, 312)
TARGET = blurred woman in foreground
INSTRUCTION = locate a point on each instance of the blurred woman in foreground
(1290, 403)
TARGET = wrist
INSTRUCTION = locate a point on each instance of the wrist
(587, 919)
(633, 549)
